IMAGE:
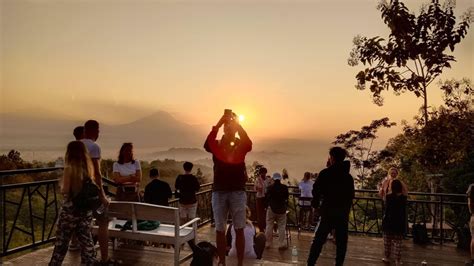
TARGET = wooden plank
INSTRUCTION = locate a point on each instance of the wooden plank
(362, 250)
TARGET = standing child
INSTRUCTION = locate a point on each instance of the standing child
(77, 170)
(186, 187)
(393, 223)
(157, 192)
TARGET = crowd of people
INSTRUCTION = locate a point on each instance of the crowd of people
(325, 199)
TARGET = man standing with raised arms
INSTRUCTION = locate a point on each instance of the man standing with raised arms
(230, 176)
(91, 134)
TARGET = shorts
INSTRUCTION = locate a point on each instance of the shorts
(187, 210)
(224, 202)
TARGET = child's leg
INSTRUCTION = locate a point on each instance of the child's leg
(387, 243)
(397, 242)
(65, 228)
(84, 236)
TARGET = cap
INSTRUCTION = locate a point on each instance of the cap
(276, 176)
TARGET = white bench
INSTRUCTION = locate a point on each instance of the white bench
(169, 231)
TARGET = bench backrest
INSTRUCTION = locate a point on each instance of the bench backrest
(143, 211)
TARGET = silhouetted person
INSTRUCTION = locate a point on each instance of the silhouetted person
(260, 189)
(394, 219)
(336, 188)
(277, 202)
(230, 175)
(157, 192)
(78, 132)
(186, 187)
(91, 134)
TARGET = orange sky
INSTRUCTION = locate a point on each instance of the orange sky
(283, 64)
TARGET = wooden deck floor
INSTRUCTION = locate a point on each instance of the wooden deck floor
(362, 250)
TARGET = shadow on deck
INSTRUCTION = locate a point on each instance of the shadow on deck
(362, 250)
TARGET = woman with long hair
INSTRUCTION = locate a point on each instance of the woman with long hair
(384, 189)
(127, 173)
(77, 170)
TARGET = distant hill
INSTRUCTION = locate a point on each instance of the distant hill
(155, 136)
(160, 129)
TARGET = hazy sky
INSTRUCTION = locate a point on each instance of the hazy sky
(283, 64)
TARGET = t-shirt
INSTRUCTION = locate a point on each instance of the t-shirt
(249, 233)
(93, 148)
(127, 169)
(157, 192)
(187, 185)
(306, 189)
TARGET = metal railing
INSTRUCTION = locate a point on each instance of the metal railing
(30, 210)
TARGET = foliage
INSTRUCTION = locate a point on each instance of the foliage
(254, 169)
(13, 160)
(414, 54)
(359, 144)
(443, 146)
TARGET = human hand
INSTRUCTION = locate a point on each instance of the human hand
(105, 201)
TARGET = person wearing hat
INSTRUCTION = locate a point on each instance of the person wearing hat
(277, 201)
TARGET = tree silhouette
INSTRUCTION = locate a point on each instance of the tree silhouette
(414, 54)
(359, 144)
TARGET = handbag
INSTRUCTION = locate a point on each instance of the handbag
(88, 198)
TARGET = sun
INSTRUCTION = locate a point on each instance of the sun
(241, 118)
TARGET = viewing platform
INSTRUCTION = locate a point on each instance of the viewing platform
(29, 212)
(362, 250)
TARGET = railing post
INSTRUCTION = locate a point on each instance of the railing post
(441, 219)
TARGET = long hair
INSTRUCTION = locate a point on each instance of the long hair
(122, 150)
(390, 170)
(78, 166)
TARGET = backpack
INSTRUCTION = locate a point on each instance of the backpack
(88, 198)
(420, 234)
(203, 253)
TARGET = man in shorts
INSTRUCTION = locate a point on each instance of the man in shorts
(230, 176)
(186, 187)
(91, 134)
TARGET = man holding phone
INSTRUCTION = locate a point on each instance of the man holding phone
(230, 176)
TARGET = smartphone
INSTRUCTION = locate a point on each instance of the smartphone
(228, 112)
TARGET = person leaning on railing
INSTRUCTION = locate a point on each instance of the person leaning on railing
(127, 173)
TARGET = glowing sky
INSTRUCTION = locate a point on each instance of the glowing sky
(282, 64)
